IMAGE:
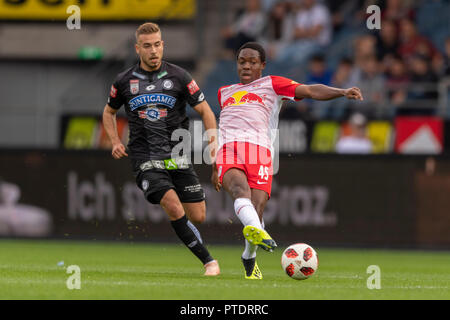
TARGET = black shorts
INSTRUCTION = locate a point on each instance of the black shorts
(156, 182)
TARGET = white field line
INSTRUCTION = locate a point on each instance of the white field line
(86, 283)
(143, 270)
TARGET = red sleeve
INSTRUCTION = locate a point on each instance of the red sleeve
(284, 87)
(219, 95)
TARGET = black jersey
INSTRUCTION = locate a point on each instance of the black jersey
(155, 104)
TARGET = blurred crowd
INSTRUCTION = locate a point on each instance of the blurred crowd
(396, 67)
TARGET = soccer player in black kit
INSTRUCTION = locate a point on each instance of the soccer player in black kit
(155, 94)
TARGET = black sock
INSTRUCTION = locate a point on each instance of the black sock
(190, 236)
(249, 264)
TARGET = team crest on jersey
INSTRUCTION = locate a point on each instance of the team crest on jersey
(167, 84)
(134, 86)
(153, 113)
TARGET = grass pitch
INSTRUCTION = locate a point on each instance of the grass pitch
(116, 270)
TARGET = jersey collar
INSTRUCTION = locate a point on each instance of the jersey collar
(154, 75)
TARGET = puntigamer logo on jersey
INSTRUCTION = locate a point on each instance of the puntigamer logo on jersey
(153, 99)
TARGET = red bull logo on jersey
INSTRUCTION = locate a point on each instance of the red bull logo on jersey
(243, 97)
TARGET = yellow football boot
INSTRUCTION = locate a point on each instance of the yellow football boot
(259, 237)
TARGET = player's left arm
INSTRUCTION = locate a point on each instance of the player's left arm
(323, 92)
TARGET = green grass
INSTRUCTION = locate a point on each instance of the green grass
(117, 270)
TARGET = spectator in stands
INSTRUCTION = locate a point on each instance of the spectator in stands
(356, 142)
(422, 91)
(364, 47)
(318, 72)
(372, 82)
(345, 75)
(387, 40)
(248, 26)
(343, 12)
(423, 78)
(279, 29)
(312, 32)
(412, 43)
(446, 59)
(397, 81)
(396, 10)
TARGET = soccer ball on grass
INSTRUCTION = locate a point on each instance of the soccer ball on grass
(299, 261)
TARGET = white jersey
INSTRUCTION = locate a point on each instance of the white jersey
(250, 111)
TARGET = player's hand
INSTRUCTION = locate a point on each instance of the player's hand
(353, 94)
(118, 151)
(215, 179)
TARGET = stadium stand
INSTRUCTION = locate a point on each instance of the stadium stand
(431, 22)
(69, 72)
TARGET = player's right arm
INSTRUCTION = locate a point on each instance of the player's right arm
(293, 90)
(110, 126)
(323, 92)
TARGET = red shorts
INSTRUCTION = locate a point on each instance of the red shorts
(254, 160)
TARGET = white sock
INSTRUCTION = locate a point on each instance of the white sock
(246, 212)
(249, 251)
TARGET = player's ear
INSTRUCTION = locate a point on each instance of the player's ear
(136, 46)
(263, 65)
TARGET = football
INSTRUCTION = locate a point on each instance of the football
(299, 261)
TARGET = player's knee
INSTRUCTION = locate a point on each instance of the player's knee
(240, 191)
(196, 212)
(198, 218)
(173, 209)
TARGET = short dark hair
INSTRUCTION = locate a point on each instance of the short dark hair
(346, 60)
(318, 58)
(255, 46)
(147, 28)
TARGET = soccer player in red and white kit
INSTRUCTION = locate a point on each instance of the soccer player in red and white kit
(248, 120)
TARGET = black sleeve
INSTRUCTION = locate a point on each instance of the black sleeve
(115, 99)
(193, 94)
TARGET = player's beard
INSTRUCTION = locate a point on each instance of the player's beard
(152, 64)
